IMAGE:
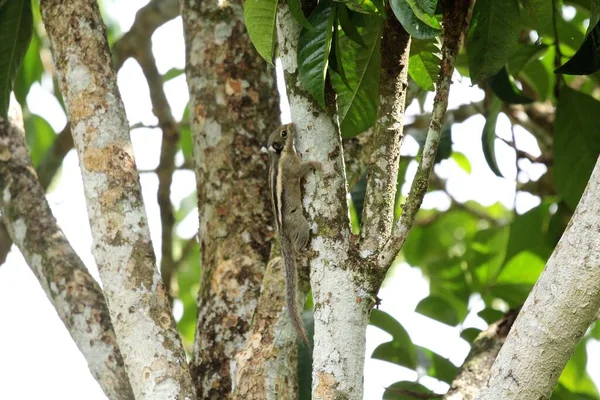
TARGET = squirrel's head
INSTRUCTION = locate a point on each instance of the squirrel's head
(281, 138)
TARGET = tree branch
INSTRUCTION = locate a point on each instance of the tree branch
(73, 292)
(137, 299)
(382, 180)
(454, 24)
(559, 309)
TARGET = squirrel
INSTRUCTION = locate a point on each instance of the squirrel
(285, 172)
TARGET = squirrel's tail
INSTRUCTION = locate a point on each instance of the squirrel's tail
(291, 289)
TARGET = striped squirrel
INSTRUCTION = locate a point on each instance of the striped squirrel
(285, 172)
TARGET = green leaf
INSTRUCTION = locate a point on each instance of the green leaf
(537, 76)
(31, 70)
(428, 6)
(358, 195)
(413, 25)
(575, 377)
(586, 60)
(365, 6)
(335, 56)
(439, 309)
(488, 138)
(348, 25)
(493, 35)
(259, 18)
(313, 51)
(16, 26)
(576, 143)
(305, 358)
(39, 136)
(188, 283)
(403, 391)
(425, 17)
(470, 334)
(186, 205)
(424, 62)
(524, 268)
(295, 7)
(529, 231)
(540, 15)
(524, 54)
(435, 365)
(490, 315)
(172, 74)
(462, 161)
(503, 85)
(357, 104)
(400, 350)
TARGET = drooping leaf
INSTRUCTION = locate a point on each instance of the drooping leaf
(503, 85)
(336, 63)
(358, 195)
(259, 18)
(413, 25)
(524, 54)
(295, 7)
(424, 62)
(445, 146)
(400, 350)
(348, 25)
(576, 143)
(493, 35)
(31, 70)
(586, 60)
(537, 76)
(439, 309)
(39, 136)
(16, 26)
(172, 74)
(488, 138)
(313, 50)
(358, 101)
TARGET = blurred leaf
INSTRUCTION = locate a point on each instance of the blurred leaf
(488, 138)
(490, 315)
(576, 143)
(470, 334)
(295, 7)
(358, 195)
(403, 391)
(540, 15)
(305, 358)
(445, 147)
(188, 283)
(586, 60)
(435, 365)
(424, 62)
(493, 35)
(16, 26)
(524, 268)
(562, 393)
(575, 377)
(365, 7)
(439, 309)
(187, 204)
(313, 51)
(488, 249)
(400, 350)
(39, 135)
(503, 85)
(31, 70)
(357, 104)
(259, 18)
(411, 23)
(462, 161)
(529, 232)
(524, 54)
(172, 74)
(538, 77)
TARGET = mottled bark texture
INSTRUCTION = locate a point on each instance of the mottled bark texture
(454, 23)
(234, 106)
(382, 178)
(557, 312)
(137, 299)
(266, 368)
(474, 372)
(73, 292)
(341, 302)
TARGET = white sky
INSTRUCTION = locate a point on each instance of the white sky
(38, 359)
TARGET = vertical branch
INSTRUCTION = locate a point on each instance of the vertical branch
(454, 24)
(73, 292)
(234, 106)
(137, 299)
(378, 211)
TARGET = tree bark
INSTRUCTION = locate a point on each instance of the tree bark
(558, 311)
(73, 292)
(137, 299)
(234, 106)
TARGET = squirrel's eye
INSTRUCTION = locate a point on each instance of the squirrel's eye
(283, 133)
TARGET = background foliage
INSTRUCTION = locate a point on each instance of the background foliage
(537, 62)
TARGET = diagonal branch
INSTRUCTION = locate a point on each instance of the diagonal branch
(454, 24)
(137, 298)
(75, 295)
